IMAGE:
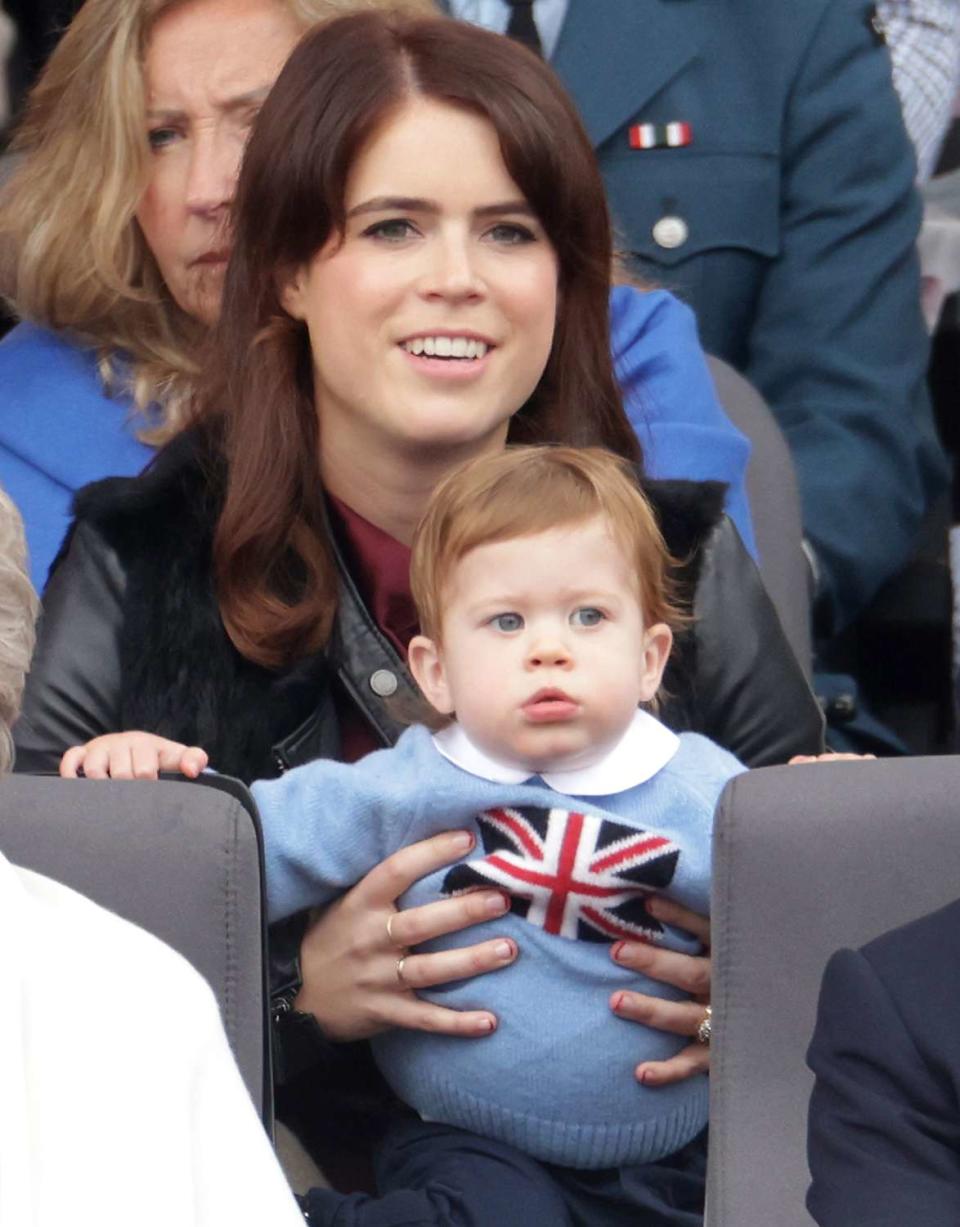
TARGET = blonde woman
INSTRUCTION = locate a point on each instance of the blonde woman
(115, 231)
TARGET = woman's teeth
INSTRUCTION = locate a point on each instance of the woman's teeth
(446, 347)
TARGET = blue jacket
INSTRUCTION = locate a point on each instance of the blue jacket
(557, 1083)
(59, 430)
(796, 244)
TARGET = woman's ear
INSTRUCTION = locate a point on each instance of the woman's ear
(657, 642)
(426, 664)
(290, 290)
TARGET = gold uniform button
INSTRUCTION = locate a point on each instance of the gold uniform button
(670, 232)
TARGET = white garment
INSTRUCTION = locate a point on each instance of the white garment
(495, 14)
(120, 1102)
(924, 41)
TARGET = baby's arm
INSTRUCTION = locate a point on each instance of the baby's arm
(131, 756)
(327, 824)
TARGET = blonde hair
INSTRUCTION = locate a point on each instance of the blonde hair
(18, 612)
(526, 490)
(72, 253)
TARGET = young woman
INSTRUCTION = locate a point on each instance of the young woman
(420, 272)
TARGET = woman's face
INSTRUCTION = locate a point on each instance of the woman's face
(209, 65)
(431, 318)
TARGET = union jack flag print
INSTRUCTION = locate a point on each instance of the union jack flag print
(577, 875)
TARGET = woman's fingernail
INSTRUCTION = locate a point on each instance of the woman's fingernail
(617, 1002)
(653, 904)
(497, 904)
(617, 951)
(641, 1075)
(503, 950)
(486, 1024)
(463, 841)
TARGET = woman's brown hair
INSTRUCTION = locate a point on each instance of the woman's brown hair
(275, 579)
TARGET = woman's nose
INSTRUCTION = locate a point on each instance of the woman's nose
(453, 272)
(212, 178)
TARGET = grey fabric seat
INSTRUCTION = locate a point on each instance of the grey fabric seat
(177, 858)
(806, 860)
(774, 505)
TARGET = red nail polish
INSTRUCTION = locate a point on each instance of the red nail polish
(617, 950)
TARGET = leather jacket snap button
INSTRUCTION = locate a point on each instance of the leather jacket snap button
(383, 683)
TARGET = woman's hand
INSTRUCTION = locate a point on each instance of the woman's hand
(350, 959)
(131, 756)
(688, 972)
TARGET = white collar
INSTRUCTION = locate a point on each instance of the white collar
(644, 749)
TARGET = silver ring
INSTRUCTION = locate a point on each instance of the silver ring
(393, 941)
(704, 1031)
(400, 963)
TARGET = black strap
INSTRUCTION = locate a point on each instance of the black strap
(521, 25)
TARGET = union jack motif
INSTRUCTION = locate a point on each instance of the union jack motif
(576, 875)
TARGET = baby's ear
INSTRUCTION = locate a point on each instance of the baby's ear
(657, 642)
(426, 664)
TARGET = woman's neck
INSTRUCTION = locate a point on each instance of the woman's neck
(391, 490)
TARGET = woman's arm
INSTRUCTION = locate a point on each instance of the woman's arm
(670, 399)
(73, 688)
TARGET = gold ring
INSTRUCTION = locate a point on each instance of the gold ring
(390, 919)
(400, 963)
(703, 1031)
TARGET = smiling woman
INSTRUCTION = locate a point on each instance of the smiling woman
(405, 182)
(431, 316)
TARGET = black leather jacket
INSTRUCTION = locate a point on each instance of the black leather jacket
(130, 637)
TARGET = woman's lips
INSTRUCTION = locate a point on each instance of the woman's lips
(213, 257)
(549, 707)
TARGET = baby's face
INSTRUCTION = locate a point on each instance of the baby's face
(545, 656)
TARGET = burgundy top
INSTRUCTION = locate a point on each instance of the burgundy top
(380, 567)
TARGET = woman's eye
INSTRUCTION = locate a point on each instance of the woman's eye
(511, 234)
(587, 615)
(393, 231)
(160, 138)
(507, 622)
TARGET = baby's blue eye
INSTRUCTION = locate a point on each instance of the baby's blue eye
(507, 622)
(587, 616)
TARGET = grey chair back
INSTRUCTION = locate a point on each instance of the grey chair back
(176, 858)
(774, 505)
(806, 860)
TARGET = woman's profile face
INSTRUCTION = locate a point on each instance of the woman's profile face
(209, 65)
(431, 318)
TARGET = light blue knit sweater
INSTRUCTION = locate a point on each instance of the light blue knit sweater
(556, 1077)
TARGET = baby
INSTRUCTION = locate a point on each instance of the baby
(542, 585)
